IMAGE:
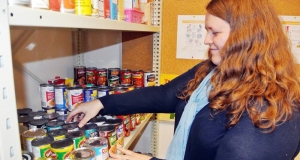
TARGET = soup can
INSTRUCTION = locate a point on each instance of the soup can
(126, 124)
(83, 154)
(109, 132)
(38, 123)
(61, 94)
(37, 114)
(149, 78)
(119, 90)
(91, 130)
(70, 127)
(132, 122)
(41, 147)
(47, 96)
(31, 134)
(113, 77)
(24, 120)
(51, 116)
(24, 111)
(54, 125)
(79, 73)
(91, 75)
(89, 94)
(129, 87)
(138, 78)
(75, 97)
(98, 120)
(78, 138)
(118, 123)
(62, 148)
(101, 76)
(22, 129)
(100, 146)
(125, 76)
(104, 91)
(58, 134)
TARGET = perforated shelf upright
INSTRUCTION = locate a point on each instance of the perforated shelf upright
(24, 17)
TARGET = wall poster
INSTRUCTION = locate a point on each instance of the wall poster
(190, 37)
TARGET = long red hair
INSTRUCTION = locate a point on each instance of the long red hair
(258, 73)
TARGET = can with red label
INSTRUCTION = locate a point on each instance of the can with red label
(101, 77)
(132, 122)
(113, 77)
(128, 87)
(119, 90)
(126, 124)
(47, 96)
(91, 74)
(149, 78)
(79, 75)
(75, 97)
(138, 78)
(125, 76)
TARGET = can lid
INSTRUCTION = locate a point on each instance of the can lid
(51, 115)
(38, 122)
(55, 123)
(24, 119)
(60, 86)
(79, 66)
(42, 141)
(57, 132)
(46, 85)
(74, 87)
(117, 121)
(97, 119)
(106, 128)
(75, 134)
(70, 126)
(90, 126)
(36, 113)
(96, 141)
(62, 143)
(82, 153)
(37, 132)
(24, 111)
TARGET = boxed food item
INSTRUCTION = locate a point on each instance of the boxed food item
(147, 8)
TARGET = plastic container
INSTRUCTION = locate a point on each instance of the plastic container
(133, 16)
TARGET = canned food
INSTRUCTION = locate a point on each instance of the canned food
(100, 146)
(54, 125)
(119, 90)
(62, 112)
(51, 116)
(102, 77)
(125, 76)
(75, 97)
(38, 123)
(41, 147)
(50, 110)
(22, 129)
(37, 114)
(83, 154)
(58, 134)
(24, 111)
(63, 117)
(113, 77)
(91, 75)
(70, 127)
(132, 122)
(78, 138)
(62, 148)
(137, 118)
(27, 155)
(149, 78)
(47, 95)
(98, 120)
(89, 94)
(129, 87)
(119, 130)
(109, 132)
(90, 130)
(138, 78)
(24, 120)
(61, 94)
(104, 91)
(31, 134)
(126, 124)
(79, 73)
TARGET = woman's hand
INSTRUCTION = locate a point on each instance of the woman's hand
(129, 155)
(85, 111)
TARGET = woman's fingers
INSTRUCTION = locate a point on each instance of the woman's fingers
(129, 155)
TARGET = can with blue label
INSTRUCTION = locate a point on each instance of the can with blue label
(91, 130)
(89, 94)
(100, 146)
(54, 125)
(61, 94)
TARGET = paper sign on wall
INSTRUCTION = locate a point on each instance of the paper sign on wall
(190, 37)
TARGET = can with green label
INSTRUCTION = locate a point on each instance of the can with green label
(78, 138)
(62, 148)
(41, 147)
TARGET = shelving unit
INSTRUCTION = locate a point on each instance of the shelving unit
(23, 18)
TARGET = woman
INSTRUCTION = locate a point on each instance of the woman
(244, 99)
